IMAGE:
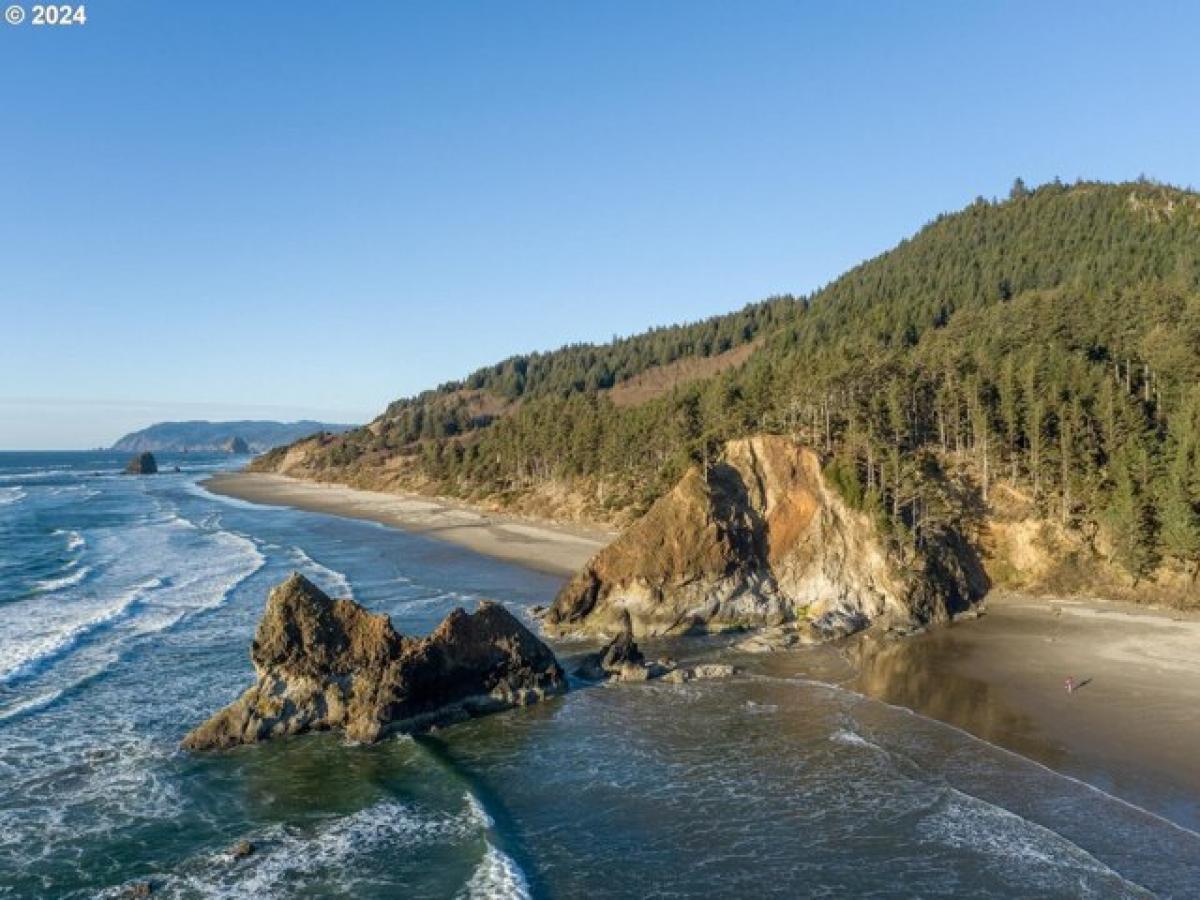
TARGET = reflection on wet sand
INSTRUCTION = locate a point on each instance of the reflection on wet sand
(925, 674)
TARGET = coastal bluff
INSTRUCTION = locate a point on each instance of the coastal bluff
(327, 664)
(759, 539)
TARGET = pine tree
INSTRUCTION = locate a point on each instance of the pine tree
(1128, 519)
(1180, 504)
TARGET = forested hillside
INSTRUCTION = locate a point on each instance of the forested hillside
(1042, 351)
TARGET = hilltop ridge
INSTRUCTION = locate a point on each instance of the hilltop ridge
(1024, 370)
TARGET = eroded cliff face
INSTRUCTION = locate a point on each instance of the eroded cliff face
(760, 540)
(330, 664)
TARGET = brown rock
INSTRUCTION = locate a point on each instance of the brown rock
(703, 672)
(330, 664)
(620, 658)
(758, 539)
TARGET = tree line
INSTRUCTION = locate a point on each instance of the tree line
(1049, 341)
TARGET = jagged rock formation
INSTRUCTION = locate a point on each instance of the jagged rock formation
(622, 660)
(619, 660)
(142, 464)
(330, 664)
(235, 445)
(760, 540)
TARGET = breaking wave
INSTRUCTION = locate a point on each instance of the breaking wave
(50, 585)
(25, 660)
(291, 859)
(497, 877)
(329, 580)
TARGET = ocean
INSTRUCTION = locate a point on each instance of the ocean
(127, 605)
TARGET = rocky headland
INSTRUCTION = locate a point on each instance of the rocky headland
(326, 664)
(760, 539)
(244, 436)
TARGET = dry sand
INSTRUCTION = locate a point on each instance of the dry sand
(1132, 727)
(559, 549)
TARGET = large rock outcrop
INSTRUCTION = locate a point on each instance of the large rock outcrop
(330, 664)
(758, 540)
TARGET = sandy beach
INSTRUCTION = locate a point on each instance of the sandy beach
(547, 547)
(1130, 727)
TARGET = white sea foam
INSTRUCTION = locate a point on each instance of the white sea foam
(289, 857)
(329, 580)
(476, 810)
(11, 495)
(198, 490)
(86, 785)
(441, 598)
(845, 736)
(75, 540)
(20, 660)
(32, 475)
(497, 877)
(970, 823)
(29, 706)
(50, 585)
(144, 603)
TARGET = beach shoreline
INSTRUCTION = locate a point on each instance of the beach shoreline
(1126, 729)
(544, 546)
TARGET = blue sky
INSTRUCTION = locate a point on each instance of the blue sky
(276, 209)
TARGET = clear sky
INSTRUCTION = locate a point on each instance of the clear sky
(274, 209)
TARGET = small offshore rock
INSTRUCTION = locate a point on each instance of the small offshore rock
(837, 624)
(242, 849)
(975, 612)
(784, 637)
(620, 660)
(142, 464)
(703, 672)
(138, 889)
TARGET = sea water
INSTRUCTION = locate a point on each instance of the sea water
(127, 605)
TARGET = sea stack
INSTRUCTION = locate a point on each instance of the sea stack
(142, 464)
(327, 664)
(757, 539)
(235, 445)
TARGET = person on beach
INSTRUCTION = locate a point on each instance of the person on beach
(1070, 684)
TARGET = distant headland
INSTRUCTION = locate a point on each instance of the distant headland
(247, 436)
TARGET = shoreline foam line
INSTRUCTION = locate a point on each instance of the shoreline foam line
(974, 737)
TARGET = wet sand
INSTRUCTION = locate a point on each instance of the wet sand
(547, 547)
(1131, 727)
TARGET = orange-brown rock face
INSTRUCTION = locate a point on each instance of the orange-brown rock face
(760, 540)
(330, 664)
